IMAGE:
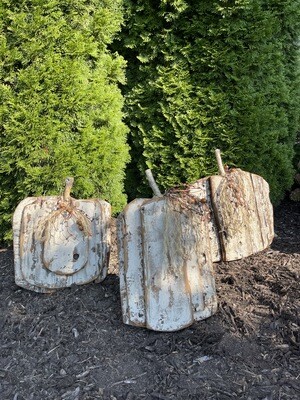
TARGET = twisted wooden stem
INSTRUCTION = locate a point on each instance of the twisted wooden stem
(68, 187)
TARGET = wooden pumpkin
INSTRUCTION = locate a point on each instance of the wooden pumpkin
(166, 271)
(243, 212)
(60, 241)
(241, 221)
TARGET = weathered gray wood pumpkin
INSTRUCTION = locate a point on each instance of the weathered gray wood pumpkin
(243, 213)
(241, 219)
(60, 241)
(167, 246)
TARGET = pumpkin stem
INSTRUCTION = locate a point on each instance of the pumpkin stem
(152, 183)
(220, 164)
(68, 187)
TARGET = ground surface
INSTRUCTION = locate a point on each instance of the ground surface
(72, 345)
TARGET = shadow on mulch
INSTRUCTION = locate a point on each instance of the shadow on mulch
(72, 344)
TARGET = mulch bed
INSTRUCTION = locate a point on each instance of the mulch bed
(72, 345)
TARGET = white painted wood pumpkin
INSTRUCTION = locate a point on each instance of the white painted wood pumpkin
(166, 271)
(60, 241)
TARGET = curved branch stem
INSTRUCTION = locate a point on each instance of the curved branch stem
(152, 183)
(220, 164)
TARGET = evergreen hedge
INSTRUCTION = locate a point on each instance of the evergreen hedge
(60, 105)
(212, 74)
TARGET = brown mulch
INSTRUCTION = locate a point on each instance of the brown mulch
(72, 345)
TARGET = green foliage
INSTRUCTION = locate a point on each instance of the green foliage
(205, 75)
(60, 106)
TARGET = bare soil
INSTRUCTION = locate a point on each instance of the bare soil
(72, 345)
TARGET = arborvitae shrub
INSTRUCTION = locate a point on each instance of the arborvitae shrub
(205, 75)
(60, 105)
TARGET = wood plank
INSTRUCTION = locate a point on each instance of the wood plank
(200, 279)
(264, 210)
(201, 191)
(131, 270)
(18, 238)
(168, 303)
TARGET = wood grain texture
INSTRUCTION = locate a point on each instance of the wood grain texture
(131, 269)
(243, 212)
(201, 191)
(167, 246)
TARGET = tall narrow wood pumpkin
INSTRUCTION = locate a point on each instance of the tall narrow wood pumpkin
(166, 271)
(60, 241)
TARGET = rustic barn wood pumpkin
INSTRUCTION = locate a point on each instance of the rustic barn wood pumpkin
(166, 271)
(243, 213)
(60, 241)
(241, 220)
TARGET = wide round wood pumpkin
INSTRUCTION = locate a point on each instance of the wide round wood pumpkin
(241, 219)
(60, 241)
(243, 213)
